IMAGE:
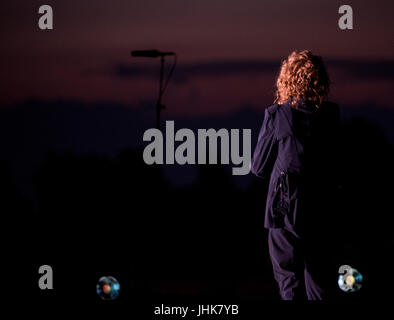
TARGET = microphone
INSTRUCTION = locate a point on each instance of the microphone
(150, 53)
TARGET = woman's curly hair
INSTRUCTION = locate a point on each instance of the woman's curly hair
(302, 76)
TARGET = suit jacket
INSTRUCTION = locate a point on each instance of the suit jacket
(295, 151)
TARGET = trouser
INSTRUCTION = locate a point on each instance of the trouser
(296, 265)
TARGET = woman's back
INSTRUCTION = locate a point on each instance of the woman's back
(296, 151)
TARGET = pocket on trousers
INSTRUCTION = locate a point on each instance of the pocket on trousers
(281, 199)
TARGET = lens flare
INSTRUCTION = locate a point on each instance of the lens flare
(108, 288)
(350, 280)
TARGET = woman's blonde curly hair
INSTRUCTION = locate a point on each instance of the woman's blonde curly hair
(302, 76)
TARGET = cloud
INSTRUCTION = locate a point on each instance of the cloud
(362, 69)
(184, 72)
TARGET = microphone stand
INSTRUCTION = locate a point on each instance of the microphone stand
(155, 54)
(159, 106)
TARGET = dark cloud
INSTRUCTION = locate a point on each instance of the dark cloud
(364, 69)
(207, 69)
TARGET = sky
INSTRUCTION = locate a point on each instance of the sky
(229, 52)
(76, 88)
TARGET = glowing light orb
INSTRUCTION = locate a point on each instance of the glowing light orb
(350, 280)
(108, 288)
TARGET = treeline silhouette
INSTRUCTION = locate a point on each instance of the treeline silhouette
(96, 215)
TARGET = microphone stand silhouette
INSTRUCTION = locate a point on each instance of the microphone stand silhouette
(156, 54)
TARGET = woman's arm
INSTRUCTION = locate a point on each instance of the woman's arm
(266, 148)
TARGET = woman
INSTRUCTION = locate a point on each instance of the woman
(295, 152)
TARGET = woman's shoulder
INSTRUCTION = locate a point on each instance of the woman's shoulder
(272, 110)
(278, 119)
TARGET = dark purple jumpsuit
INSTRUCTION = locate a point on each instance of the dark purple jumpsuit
(295, 152)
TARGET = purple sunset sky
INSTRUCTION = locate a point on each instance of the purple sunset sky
(229, 51)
